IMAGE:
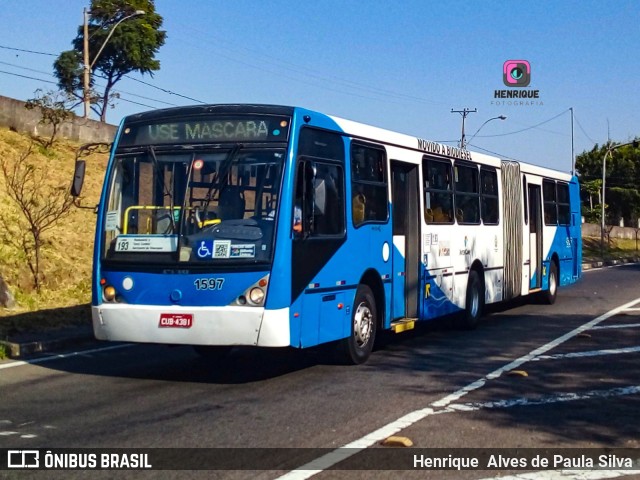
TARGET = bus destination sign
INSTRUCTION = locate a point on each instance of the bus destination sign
(208, 130)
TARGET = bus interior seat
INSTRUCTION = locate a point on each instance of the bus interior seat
(429, 215)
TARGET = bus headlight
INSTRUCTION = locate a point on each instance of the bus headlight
(256, 295)
(109, 293)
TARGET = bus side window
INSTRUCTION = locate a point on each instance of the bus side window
(369, 201)
(319, 200)
(438, 191)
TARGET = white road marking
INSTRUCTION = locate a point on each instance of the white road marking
(626, 325)
(332, 458)
(589, 353)
(20, 363)
(567, 475)
(545, 400)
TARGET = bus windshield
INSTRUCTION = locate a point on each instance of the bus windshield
(202, 206)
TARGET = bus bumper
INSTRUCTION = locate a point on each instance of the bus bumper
(253, 326)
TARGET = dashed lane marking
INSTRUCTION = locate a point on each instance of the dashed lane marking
(34, 361)
(440, 406)
(545, 400)
(589, 353)
(625, 325)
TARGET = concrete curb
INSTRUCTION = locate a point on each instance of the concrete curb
(50, 341)
(609, 263)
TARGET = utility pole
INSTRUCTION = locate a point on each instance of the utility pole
(573, 154)
(86, 95)
(464, 112)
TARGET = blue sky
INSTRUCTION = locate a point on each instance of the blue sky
(400, 65)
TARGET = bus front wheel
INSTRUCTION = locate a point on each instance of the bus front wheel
(357, 347)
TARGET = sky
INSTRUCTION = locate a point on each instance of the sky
(403, 65)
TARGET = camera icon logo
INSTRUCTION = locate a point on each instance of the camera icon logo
(23, 458)
(516, 73)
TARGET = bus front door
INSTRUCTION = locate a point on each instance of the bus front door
(406, 240)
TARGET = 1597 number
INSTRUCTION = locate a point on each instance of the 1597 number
(208, 283)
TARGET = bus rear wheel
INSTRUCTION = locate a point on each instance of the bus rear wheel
(549, 295)
(474, 303)
(357, 347)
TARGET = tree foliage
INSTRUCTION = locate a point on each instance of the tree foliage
(621, 183)
(131, 48)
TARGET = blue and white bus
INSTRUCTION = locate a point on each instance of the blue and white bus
(273, 226)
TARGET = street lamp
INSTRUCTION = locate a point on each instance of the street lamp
(604, 170)
(88, 66)
(501, 117)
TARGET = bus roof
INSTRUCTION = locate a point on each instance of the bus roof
(349, 127)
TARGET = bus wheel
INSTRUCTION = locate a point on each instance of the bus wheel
(356, 348)
(213, 353)
(549, 296)
(474, 303)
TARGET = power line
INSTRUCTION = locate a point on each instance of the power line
(583, 131)
(55, 83)
(27, 51)
(503, 157)
(524, 129)
(26, 76)
(164, 90)
(25, 68)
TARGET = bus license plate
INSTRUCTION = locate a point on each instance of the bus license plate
(176, 320)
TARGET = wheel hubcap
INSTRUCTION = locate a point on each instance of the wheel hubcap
(362, 324)
(475, 303)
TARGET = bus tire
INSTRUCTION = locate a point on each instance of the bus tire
(549, 295)
(357, 347)
(474, 302)
(212, 353)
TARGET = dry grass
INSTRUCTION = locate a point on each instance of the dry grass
(618, 248)
(66, 255)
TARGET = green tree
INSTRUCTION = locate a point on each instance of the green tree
(131, 48)
(622, 181)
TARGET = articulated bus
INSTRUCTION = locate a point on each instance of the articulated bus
(273, 226)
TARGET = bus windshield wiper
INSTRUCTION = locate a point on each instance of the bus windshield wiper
(163, 186)
(222, 177)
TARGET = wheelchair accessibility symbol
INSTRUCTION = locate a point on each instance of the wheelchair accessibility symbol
(205, 250)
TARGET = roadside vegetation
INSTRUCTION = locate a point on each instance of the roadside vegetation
(614, 249)
(64, 277)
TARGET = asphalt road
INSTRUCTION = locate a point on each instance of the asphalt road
(530, 376)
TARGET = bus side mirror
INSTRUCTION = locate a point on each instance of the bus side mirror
(78, 178)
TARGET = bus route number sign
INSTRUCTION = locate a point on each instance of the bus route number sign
(175, 320)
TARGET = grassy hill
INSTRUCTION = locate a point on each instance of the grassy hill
(68, 246)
